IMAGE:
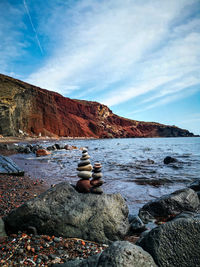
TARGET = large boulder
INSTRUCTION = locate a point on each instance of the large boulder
(172, 204)
(62, 211)
(119, 254)
(176, 243)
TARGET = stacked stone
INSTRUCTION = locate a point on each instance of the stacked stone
(84, 168)
(97, 182)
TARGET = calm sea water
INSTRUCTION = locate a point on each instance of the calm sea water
(133, 167)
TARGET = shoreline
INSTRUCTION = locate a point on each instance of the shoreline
(8, 140)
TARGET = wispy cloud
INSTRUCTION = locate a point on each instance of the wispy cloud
(117, 50)
(186, 92)
(32, 25)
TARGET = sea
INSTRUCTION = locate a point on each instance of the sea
(133, 167)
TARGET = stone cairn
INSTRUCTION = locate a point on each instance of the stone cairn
(84, 172)
(97, 182)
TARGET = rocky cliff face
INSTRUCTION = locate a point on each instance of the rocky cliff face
(27, 108)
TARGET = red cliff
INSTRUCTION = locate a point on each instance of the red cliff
(38, 111)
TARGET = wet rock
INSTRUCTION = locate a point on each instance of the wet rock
(175, 243)
(57, 146)
(62, 211)
(131, 217)
(36, 147)
(119, 254)
(67, 147)
(8, 166)
(2, 228)
(168, 160)
(42, 152)
(195, 185)
(137, 225)
(172, 204)
(27, 150)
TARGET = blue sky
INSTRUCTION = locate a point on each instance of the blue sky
(141, 58)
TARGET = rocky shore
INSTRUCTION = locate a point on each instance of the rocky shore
(59, 226)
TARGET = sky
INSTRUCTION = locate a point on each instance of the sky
(141, 58)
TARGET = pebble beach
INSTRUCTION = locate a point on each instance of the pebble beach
(31, 249)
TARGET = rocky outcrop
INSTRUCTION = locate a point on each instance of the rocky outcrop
(30, 110)
(62, 211)
(175, 243)
(170, 205)
(119, 254)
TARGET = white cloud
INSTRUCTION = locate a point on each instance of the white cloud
(119, 49)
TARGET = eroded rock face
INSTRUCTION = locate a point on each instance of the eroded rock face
(119, 254)
(172, 204)
(62, 211)
(31, 110)
(176, 243)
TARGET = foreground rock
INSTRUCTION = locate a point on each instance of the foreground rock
(170, 205)
(8, 166)
(2, 228)
(62, 211)
(176, 243)
(119, 254)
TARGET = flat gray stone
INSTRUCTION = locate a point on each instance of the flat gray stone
(8, 166)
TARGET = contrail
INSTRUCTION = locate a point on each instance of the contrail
(36, 36)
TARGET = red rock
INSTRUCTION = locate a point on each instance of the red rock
(37, 111)
(42, 152)
(83, 186)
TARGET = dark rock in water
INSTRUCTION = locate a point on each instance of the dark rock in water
(176, 243)
(172, 204)
(195, 185)
(119, 254)
(62, 211)
(168, 160)
(2, 228)
(8, 166)
(35, 148)
(27, 150)
(51, 148)
(57, 146)
(137, 225)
